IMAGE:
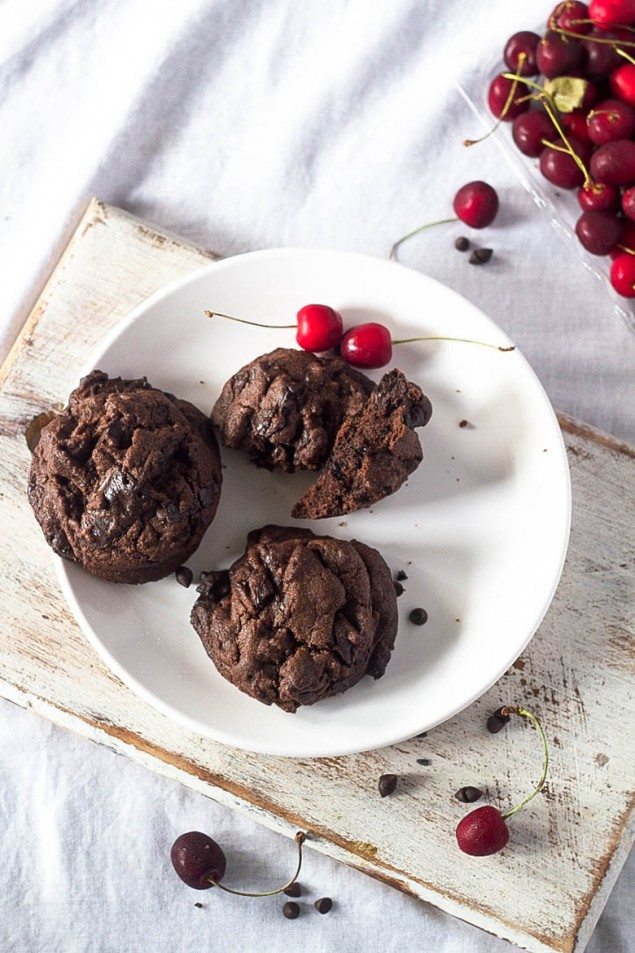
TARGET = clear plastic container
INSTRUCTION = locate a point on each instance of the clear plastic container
(559, 205)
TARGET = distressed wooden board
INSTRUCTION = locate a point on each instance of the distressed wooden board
(547, 890)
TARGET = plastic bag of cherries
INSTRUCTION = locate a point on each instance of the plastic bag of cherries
(564, 101)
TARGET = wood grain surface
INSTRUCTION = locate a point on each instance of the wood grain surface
(546, 891)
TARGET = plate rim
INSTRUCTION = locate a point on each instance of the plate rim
(219, 734)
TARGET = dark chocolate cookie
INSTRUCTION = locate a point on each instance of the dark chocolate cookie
(125, 480)
(285, 408)
(298, 617)
(375, 450)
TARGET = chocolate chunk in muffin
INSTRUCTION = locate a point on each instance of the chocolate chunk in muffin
(125, 480)
(284, 408)
(298, 617)
(375, 450)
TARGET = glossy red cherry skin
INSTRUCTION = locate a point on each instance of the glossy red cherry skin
(628, 203)
(197, 858)
(560, 168)
(614, 163)
(599, 197)
(609, 120)
(557, 55)
(623, 275)
(482, 832)
(320, 328)
(627, 239)
(367, 345)
(622, 82)
(599, 232)
(612, 12)
(576, 123)
(498, 94)
(476, 204)
(522, 42)
(529, 130)
(601, 58)
(568, 14)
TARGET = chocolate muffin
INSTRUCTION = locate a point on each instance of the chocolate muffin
(298, 617)
(375, 451)
(125, 480)
(284, 408)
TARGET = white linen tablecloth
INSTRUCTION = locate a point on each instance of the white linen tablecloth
(243, 124)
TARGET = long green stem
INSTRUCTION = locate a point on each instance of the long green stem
(254, 324)
(625, 55)
(495, 347)
(508, 102)
(574, 155)
(592, 39)
(415, 231)
(300, 837)
(545, 748)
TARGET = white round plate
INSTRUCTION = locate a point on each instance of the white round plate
(481, 528)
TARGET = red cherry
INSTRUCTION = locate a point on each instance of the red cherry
(612, 12)
(601, 58)
(498, 96)
(623, 275)
(529, 130)
(557, 55)
(598, 197)
(623, 83)
(560, 168)
(319, 327)
(627, 240)
(523, 42)
(367, 345)
(197, 859)
(599, 232)
(568, 16)
(476, 204)
(628, 203)
(576, 123)
(610, 120)
(482, 832)
(614, 163)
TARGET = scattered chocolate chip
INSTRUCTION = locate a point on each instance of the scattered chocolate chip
(399, 589)
(184, 576)
(36, 426)
(387, 784)
(464, 423)
(424, 761)
(291, 910)
(401, 576)
(497, 722)
(323, 905)
(480, 255)
(418, 616)
(293, 890)
(468, 794)
(462, 243)
(199, 905)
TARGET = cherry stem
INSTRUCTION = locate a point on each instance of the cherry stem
(625, 248)
(510, 710)
(574, 155)
(508, 102)
(626, 55)
(592, 39)
(404, 238)
(300, 837)
(495, 347)
(254, 324)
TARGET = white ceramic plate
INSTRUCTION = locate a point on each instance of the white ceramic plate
(481, 528)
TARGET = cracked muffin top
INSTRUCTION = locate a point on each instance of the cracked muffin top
(125, 480)
(298, 617)
(284, 408)
(375, 451)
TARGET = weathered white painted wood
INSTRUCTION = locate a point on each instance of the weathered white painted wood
(547, 890)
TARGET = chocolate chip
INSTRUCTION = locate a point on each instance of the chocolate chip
(399, 589)
(424, 761)
(468, 794)
(291, 910)
(418, 616)
(199, 905)
(480, 255)
(464, 423)
(184, 576)
(323, 905)
(497, 722)
(293, 890)
(387, 784)
(462, 243)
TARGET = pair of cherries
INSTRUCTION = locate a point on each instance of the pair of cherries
(321, 328)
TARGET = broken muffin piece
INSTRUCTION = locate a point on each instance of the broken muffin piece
(298, 617)
(375, 451)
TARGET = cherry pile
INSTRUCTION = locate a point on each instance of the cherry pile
(320, 328)
(570, 96)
